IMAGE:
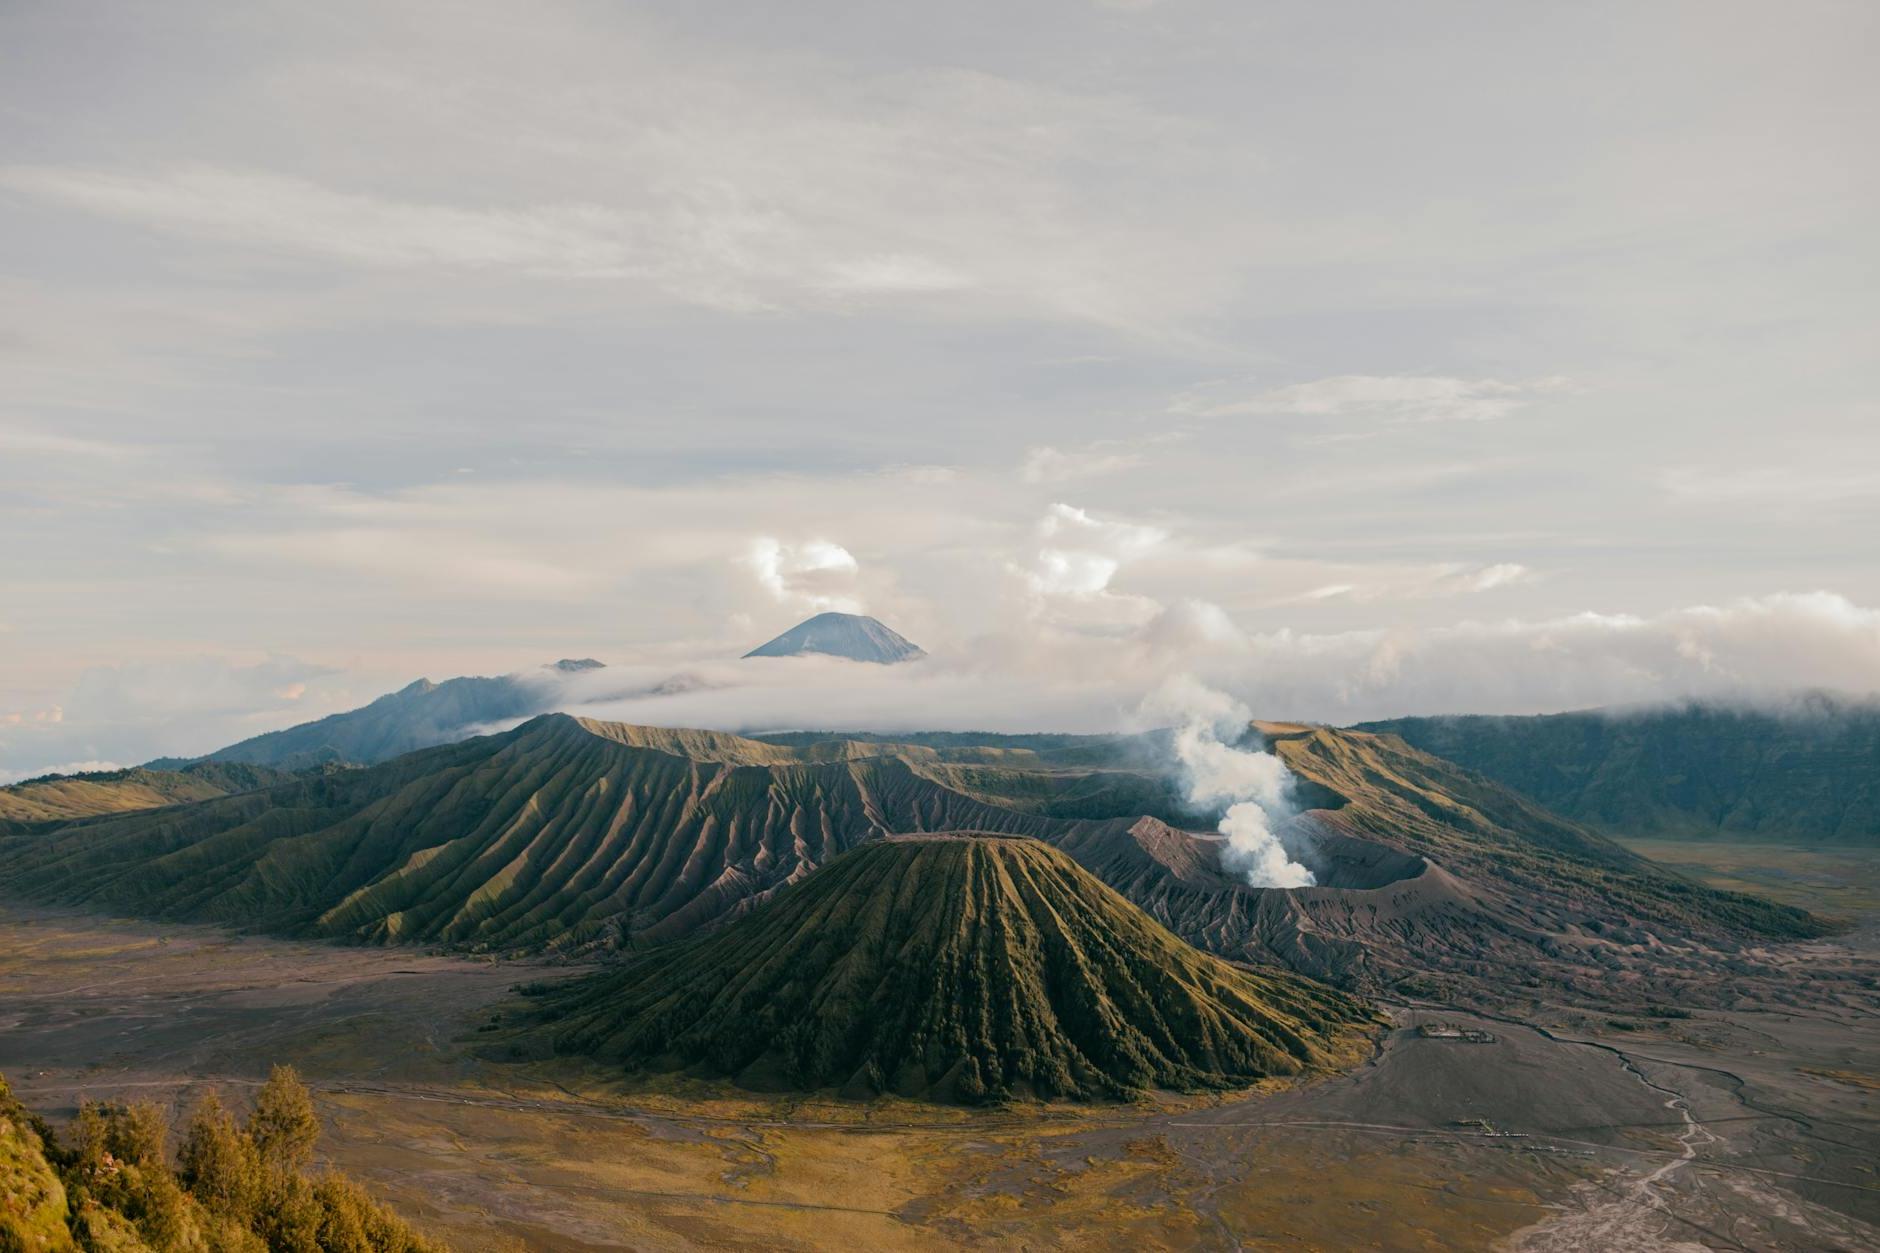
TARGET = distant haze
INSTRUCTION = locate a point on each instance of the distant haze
(1356, 361)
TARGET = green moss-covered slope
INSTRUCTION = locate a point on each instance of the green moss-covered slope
(57, 798)
(1542, 869)
(562, 833)
(1807, 772)
(959, 968)
(33, 1203)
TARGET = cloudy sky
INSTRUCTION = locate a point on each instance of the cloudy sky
(1360, 358)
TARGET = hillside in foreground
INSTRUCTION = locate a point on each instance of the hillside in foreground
(114, 1185)
(1806, 772)
(953, 967)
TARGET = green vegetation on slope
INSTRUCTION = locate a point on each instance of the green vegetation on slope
(1810, 772)
(1546, 868)
(572, 835)
(562, 833)
(956, 968)
(231, 1189)
(59, 797)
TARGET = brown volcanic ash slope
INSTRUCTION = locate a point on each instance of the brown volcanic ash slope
(569, 834)
(1435, 879)
(955, 967)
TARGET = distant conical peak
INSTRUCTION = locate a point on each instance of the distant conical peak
(853, 636)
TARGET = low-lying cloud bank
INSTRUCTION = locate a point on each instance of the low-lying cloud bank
(1757, 650)
(1042, 675)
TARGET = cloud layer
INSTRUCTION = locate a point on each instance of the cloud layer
(1354, 361)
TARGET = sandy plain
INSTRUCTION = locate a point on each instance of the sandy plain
(1570, 1130)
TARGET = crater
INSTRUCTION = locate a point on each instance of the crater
(1345, 862)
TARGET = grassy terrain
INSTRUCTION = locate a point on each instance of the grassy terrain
(560, 834)
(576, 837)
(56, 798)
(1487, 834)
(1809, 772)
(1834, 881)
(971, 969)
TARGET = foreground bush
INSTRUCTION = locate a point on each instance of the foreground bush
(234, 1187)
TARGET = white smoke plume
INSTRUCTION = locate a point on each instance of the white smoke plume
(1252, 786)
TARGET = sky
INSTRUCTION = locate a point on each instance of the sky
(1354, 359)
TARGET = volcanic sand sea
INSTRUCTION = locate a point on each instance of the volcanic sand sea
(1568, 1137)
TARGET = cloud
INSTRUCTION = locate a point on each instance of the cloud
(1385, 398)
(1046, 674)
(1782, 486)
(272, 211)
(175, 707)
(24, 440)
(414, 555)
(812, 576)
(1078, 555)
(896, 272)
(1050, 465)
(727, 178)
(21, 717)
(1759, 649)
(1421, 582)
(64, 767)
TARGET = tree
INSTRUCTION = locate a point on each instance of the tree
(140, 1135)
(90, 1137)
(283, 1126)
(218, 1162)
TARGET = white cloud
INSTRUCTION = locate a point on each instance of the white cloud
(896, 272)
(1380, 582)
(812, 576)
(21, 717)
(727, 179)
(273, 211)
(25, 440)
(1045, 464)
(1498, 575)
(64, 767)
(414, 556)
(175, 707)
(1783, 486)
(667, 282)
(1756, 649)
(1079, 554)
(1385, 398)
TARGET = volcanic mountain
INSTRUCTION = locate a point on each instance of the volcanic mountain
(1807, 770)
(570, 834)
(955, 967)
(418, 715)
(847, 635)
(562, 833)
(1435, 881)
